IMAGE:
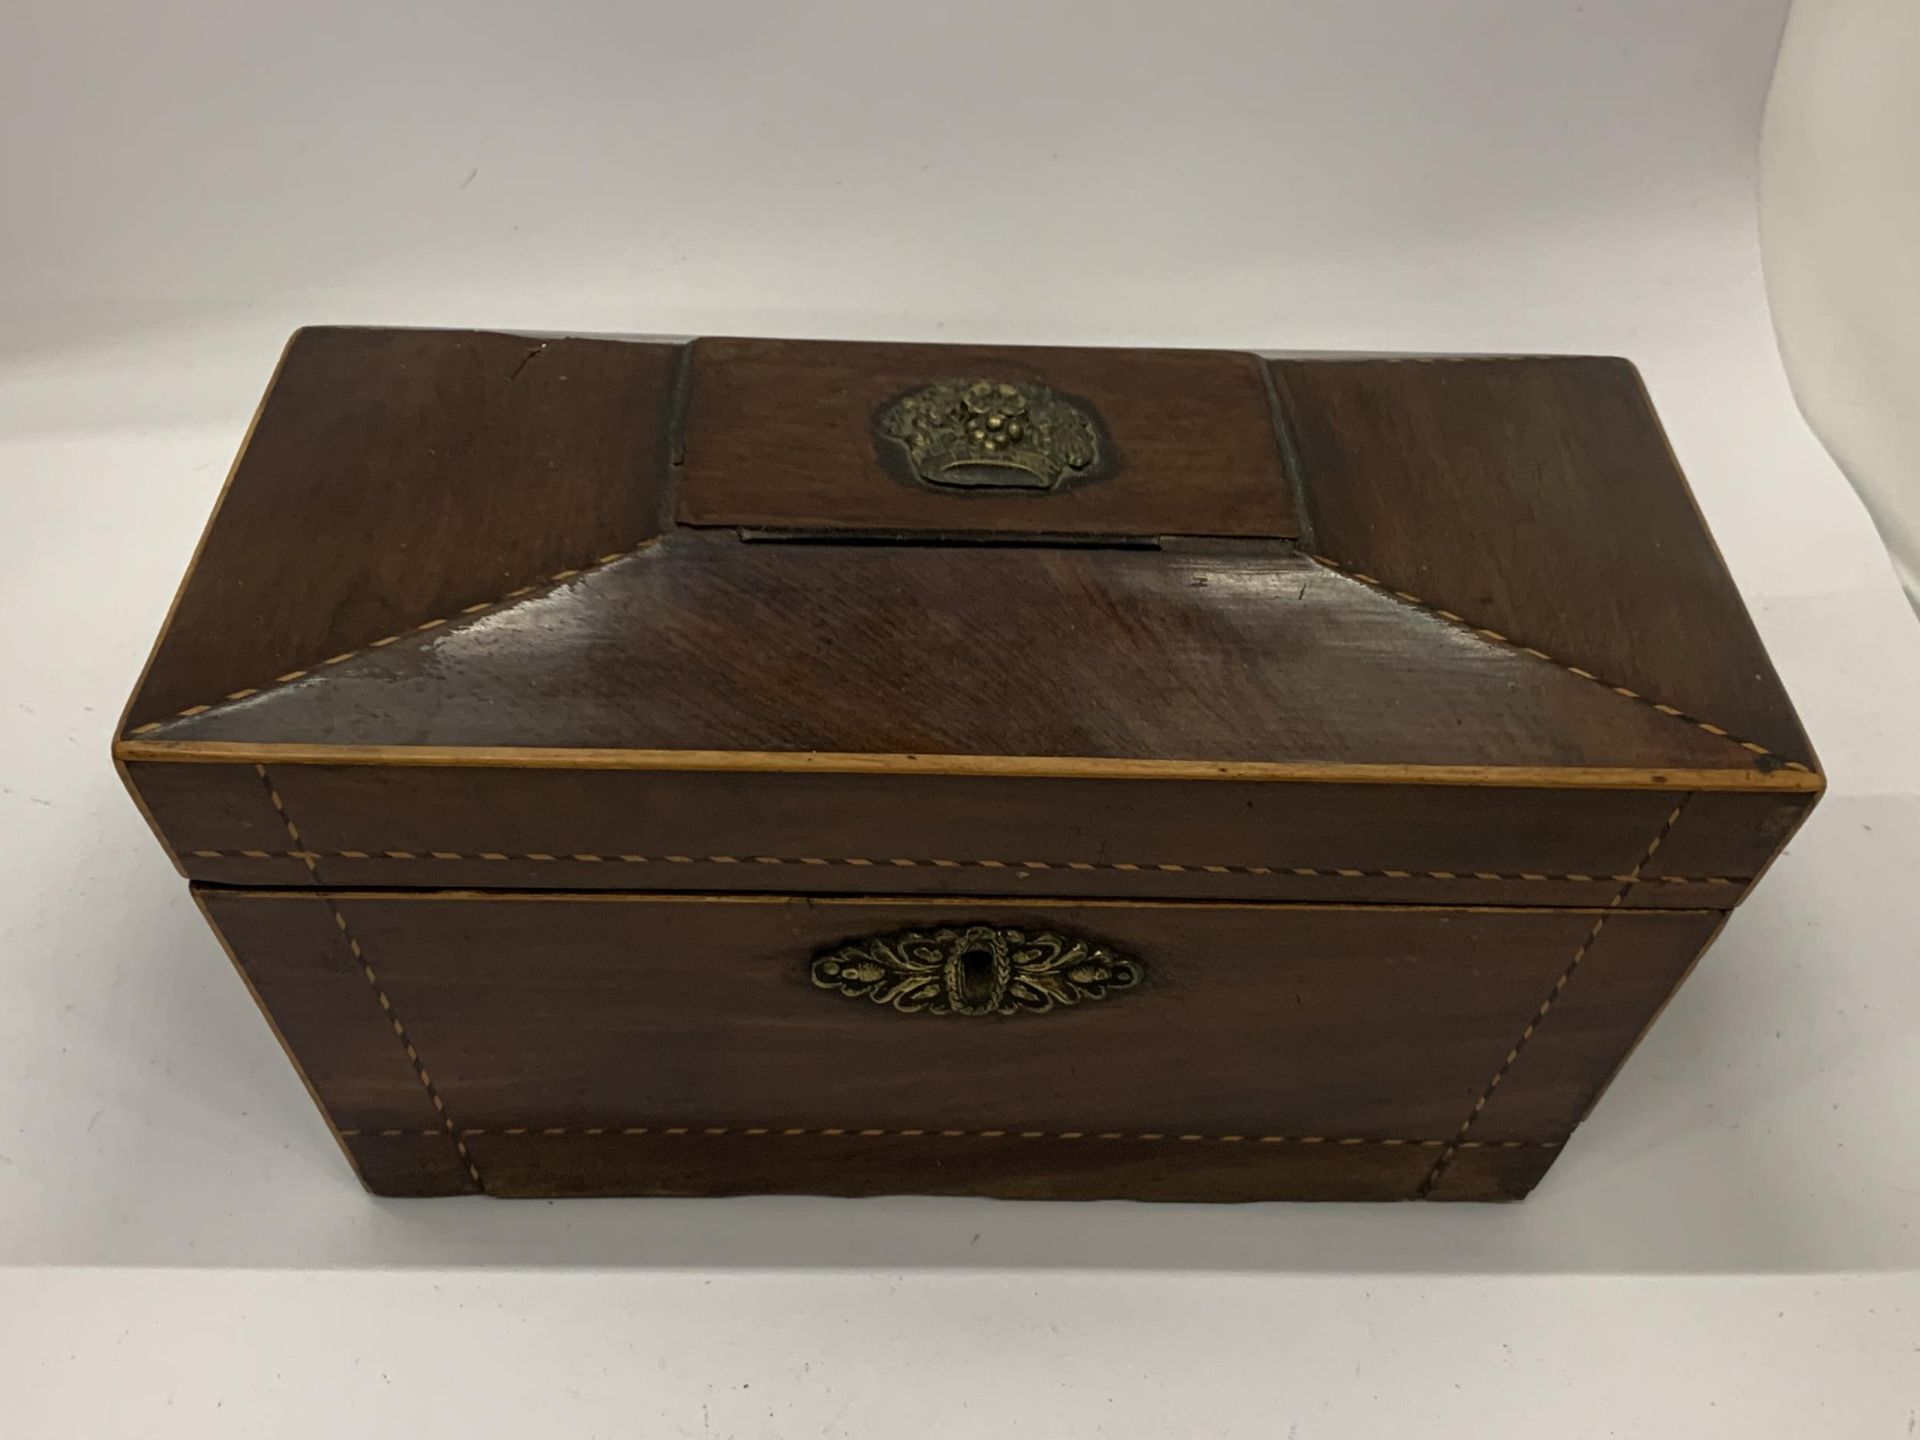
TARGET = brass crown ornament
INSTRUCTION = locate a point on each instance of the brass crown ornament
(992, 435)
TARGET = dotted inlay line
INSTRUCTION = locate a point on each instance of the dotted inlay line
(424, 626)
(1769, 759)
(447, 1128)
(1142, 867)
(1460, 1141)
(929, 1133)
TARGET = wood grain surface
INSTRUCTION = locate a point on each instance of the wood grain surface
(396, 477)
(535, 708)
(780, 433)
(1537, 496)
(702, 641)
(1373, 1025)
(575, 829)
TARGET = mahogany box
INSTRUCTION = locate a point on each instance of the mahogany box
(633, 767)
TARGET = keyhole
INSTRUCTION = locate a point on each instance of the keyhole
(976, 976)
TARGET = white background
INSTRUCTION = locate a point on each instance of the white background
(1729, 1248)
(1840, 234)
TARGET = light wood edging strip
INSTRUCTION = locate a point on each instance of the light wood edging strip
(1278, 872)
(379, 991)
(1500, 1072)
(1064, 767)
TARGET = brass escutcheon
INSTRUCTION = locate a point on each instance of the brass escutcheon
(975, 970)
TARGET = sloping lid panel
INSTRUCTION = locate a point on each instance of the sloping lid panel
(702, 642)
(1538, 497)
(395, 477)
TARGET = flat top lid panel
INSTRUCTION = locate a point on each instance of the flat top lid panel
(831, 436)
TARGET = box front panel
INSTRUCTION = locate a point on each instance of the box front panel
(587, 1044)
